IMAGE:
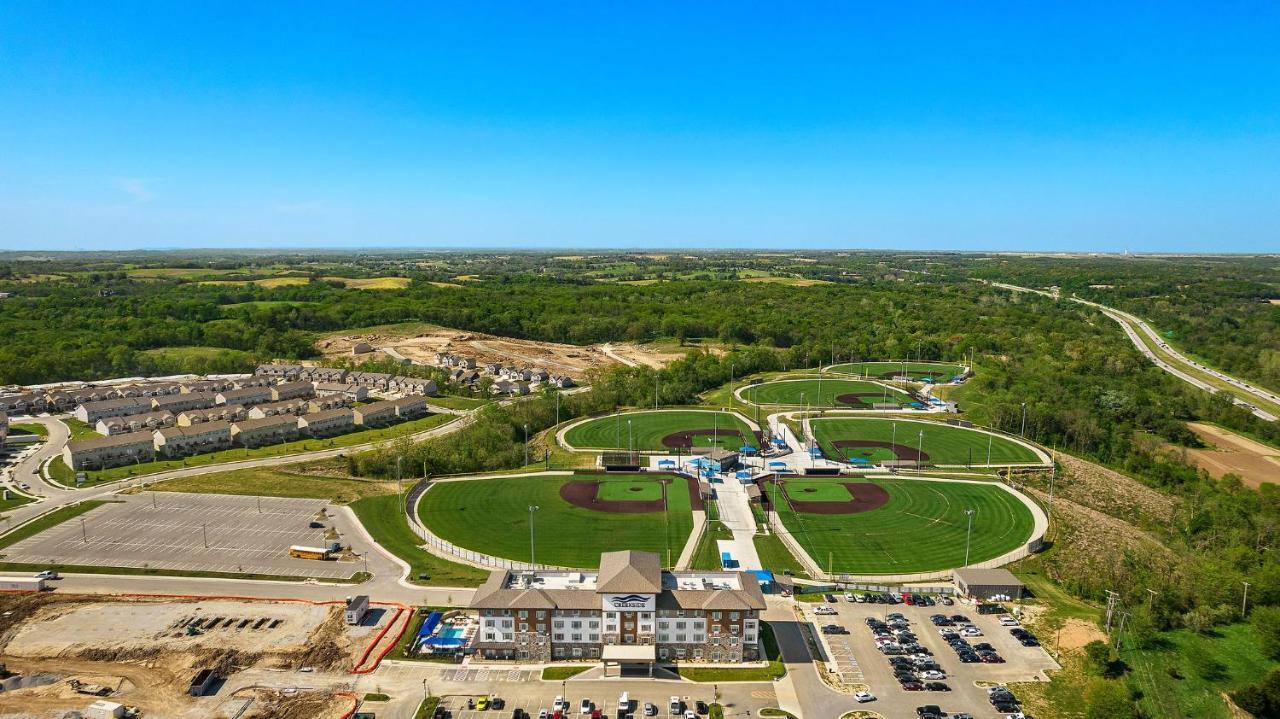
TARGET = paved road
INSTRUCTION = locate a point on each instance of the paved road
(1132, 325)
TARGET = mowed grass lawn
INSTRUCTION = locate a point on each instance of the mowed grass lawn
(648, 429)
(492, 516)
(937, 371)
(816, 491)
(942, 443)
(797, 392)
(920, 529)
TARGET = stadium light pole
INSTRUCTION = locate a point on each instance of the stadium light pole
(990, 437)
(893, 438)
(629, 450)
(532, 557)
(1023, 432)
(920, 452)
(526, 442)
(968, 534)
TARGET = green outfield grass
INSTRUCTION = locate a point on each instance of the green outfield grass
(942, 443)
(921, 528)
(937, 371)
(642, 490)
(795, 393)
(649, 427)
(492, 516)
(817, 491)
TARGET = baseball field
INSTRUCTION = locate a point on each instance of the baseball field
(875, 439)
(578, 516)
(917, 371)
(662, 431)
(899, 526)
(828, 392)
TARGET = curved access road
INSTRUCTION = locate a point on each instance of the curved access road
(1175, 363)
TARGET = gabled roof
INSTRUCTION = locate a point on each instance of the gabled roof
(630, 571)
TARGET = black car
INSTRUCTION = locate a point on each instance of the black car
(936, 687)
(1030, 642)
(834, 629)
(1006, 707)
(497, 703)
(969, 658)
(984, 647)
(829, 598)
(959, 619)
(928, 709)
(912, 687)
(517, 714)
(906, 676)
(700, 706)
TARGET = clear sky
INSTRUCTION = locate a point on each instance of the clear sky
(1089, 126)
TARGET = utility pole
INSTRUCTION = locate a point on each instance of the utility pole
(1124, 616)
(1151, 597)
(1113, 598)
(968, 534)
(1244, 603)
(1023, 433)
(532, 561)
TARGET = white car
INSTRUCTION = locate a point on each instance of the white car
(544, 714)
(47, 574)
(675, 705)
(850, 597)
(1008, 622)
(971, 632)
(934, 676)
(586, 706)
(824, 610)
(690, 714)
(864, 697)
(559, 704)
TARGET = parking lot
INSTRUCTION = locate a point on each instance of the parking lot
(607, 706)
(192, 532)
(856, 659)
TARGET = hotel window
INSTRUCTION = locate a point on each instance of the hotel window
(577, 651)
(506, 623)
(680, 625)
(664, 625)
(490, 622)
(680, 637)
(715, 616)
(506, 637)
(542, 614)
(524, 613)
(559, 637)
(593, 624)
(575, 625)
(524, 626)
(733, 629)
(733, 616)
(629, 626)
(558, 624)
(577, 637)
(593, 637)
(699, 637)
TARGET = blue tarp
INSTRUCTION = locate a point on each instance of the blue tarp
(779, 442)
(666, 463)
(747, 449)
(429, 624)
(777, 464)
(764, 575)
(916, 405)
(743, 474)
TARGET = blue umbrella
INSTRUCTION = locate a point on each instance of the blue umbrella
(747, 449)
(777, 464)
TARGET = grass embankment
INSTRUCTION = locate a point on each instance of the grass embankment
(62, 474)
(385, 521)
(775, 669)
(775, 556)
(80, 430)
(278, 483)
(1184, 674)
(16, 499)
(48, 521)
(707, 555)
(492, 516)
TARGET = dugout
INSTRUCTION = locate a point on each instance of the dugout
(620, 461)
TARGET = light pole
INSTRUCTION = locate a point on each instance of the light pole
(532, 557)
(1023, 433)
(526, 443)
(1244, 603)
(920, 452)
(204, 530)
(83, 531)
(989, 438)
(968, 534)
(629, 442)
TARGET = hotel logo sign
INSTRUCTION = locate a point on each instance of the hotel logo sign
(629, 602)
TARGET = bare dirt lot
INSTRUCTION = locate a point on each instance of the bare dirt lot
(420, 343)
(1230, 453)
(140, 652)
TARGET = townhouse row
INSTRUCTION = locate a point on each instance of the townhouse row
(203, 431)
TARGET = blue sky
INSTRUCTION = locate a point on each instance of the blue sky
(1091, 126)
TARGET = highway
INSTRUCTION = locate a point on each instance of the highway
(1181, 366)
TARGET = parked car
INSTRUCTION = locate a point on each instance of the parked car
(701, 707)
(586, 706)
(936, 687)
(650, 709)
(824, 610)
(47, 574)
(864, 697)
(482, 704)
(829, 598)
